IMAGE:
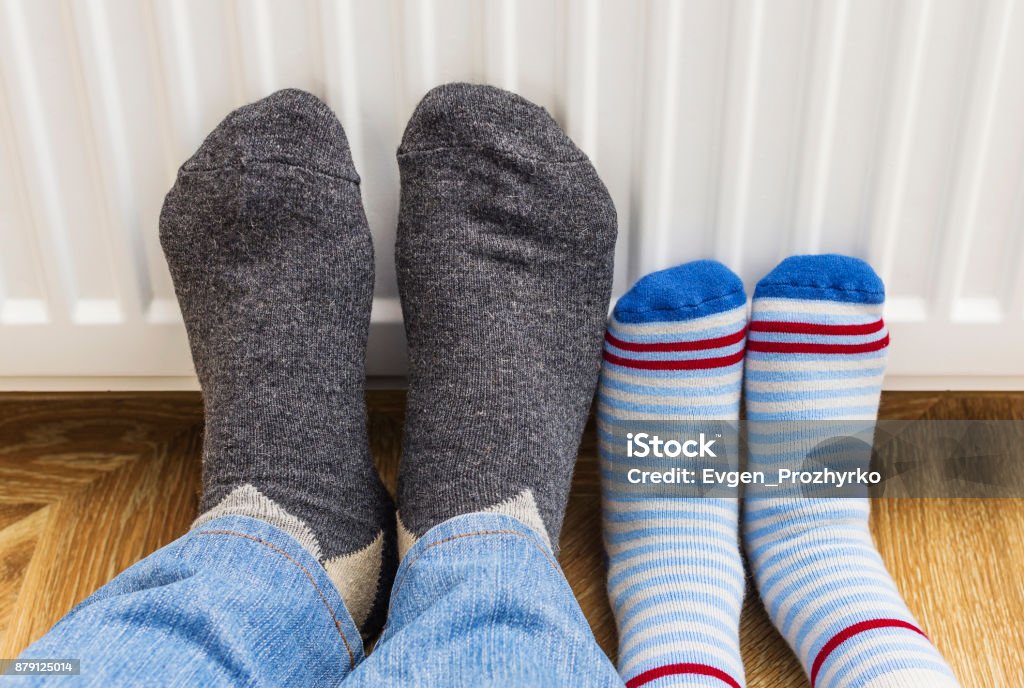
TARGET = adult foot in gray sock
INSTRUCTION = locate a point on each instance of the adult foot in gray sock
(504, 256)
(272, 261)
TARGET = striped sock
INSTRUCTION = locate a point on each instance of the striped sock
(673, 351)
(816, 354)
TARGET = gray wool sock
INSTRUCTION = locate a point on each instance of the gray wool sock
(504, 256)
(272, 262)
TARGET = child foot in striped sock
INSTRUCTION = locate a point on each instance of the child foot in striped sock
(673, 352)
(815, 359)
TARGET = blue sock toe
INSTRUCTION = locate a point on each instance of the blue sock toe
(826, 277)
(685, 292)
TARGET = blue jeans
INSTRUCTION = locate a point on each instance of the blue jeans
(479, 600)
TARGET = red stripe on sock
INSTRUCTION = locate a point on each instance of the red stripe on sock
(807, 348)
(696, 364)
(677, 669)
(856, 629)
(695, 345)
(814, 328)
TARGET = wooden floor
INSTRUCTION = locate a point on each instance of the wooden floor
(91, 483)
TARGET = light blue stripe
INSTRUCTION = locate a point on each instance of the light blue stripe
(693, 404)
(707, 411)
(817, 338)
(792, 459)
(682, 391)
(690, 616)
(804, 395)
(760, 313)
(854, 677)
(694, 335)
(693, 634)
(880, 595)
(724, 587)
(781, 358)
(655, 410)
(679, 559)
(835, 550)
(717, 352)
(852, 412)
(666, 598)
(849, 512)
(674, 374)
(659, 547)
(639, 533)
(631, 497)
(805, 587)
(755, 531)
(794, 430)
(802, 375)
(703, 515)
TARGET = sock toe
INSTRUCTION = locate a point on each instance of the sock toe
(691, 290)
(464, 115)
(289, 127)
(829, 276)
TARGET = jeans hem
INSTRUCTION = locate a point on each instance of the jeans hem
(281, 544)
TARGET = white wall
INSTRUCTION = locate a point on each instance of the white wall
(745, 131)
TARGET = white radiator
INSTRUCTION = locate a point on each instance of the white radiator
(744, 131)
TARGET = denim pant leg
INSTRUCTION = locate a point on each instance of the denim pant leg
(481, 601)
(234, 602)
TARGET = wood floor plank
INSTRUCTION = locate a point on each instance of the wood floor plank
(958, 563)
(90, 484)
(17, 546)
(120, 518)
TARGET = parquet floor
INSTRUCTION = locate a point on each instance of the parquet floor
(90, 483)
